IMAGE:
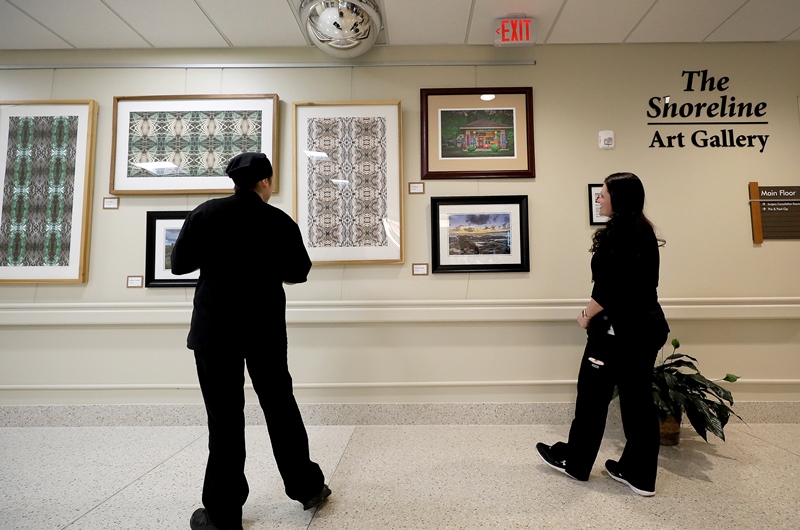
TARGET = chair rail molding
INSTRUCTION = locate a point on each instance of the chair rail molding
(390, 311)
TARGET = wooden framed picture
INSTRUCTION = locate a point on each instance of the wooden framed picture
(165, 145)
(348, 178)
(162, 231)
(477, 132)
(480, 234)
(594, 209)
(47, 151)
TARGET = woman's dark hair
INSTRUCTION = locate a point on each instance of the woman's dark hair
(627, 211)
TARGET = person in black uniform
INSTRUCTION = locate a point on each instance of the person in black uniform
(246, 250)
(625, 329)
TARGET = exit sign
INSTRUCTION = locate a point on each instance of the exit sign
(513, 32)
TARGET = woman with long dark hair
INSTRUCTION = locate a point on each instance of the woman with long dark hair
(625, 328)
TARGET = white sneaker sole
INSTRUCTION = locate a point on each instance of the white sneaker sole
(636, 490)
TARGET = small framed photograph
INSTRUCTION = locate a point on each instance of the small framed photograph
(348, 178)
(166, 145)
(594, 209)
(162, 231)
(477, 132)
(480, 234)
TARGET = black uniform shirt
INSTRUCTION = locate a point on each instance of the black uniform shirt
(245, 250)
(625, 276)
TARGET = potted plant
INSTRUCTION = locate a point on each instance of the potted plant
(679, 387)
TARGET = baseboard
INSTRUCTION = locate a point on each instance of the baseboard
(349, 414)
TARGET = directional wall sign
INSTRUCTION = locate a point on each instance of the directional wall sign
(775, 212)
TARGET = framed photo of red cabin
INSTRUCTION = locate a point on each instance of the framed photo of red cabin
(477, 132)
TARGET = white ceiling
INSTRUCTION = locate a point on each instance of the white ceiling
(88, 24)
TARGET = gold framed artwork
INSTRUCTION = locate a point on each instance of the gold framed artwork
(348, 178)
(167, 145)
(477, 132)
(47, 180)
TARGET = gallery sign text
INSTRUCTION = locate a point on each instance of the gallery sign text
(729, 124)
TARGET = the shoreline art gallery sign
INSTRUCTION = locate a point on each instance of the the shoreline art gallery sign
(723, 122)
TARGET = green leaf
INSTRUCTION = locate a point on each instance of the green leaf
(676, 343)
(698, 422)
(722, 412)
(679, 356)
(731, 378)
(680, 364)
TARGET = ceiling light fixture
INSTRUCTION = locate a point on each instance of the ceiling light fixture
(341, 28)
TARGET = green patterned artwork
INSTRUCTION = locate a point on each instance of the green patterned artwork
(38, 191)
(198, 143)
(182, 144)
(46, 183)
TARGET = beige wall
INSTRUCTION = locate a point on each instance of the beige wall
(374, 333)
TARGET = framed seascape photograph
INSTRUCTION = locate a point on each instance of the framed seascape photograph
(477, 132)
(594, 209)
(480, 234)
(47, 151)
(166, 145)
(348, 178)
(162, 231)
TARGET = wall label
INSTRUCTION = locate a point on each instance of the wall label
(722, 122)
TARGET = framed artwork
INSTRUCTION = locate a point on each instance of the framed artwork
(47, 151)
(477, 132)
(480, 234)
(594, 209)
(348, 175)
(166, 145)
(162, 231)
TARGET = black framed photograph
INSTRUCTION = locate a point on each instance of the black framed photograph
(480, 234)
(162, 231)
(594, 209)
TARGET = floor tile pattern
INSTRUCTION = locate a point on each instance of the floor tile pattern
(397, 477)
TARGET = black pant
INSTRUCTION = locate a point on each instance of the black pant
(628, 364)
(221, 375)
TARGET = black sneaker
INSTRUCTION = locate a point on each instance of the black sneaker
(612, 466)
(319, 499)
(200, 521)
(549, 457)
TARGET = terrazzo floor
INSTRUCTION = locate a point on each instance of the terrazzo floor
(387, 477)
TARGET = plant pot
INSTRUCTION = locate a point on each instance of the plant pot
(670, 431)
